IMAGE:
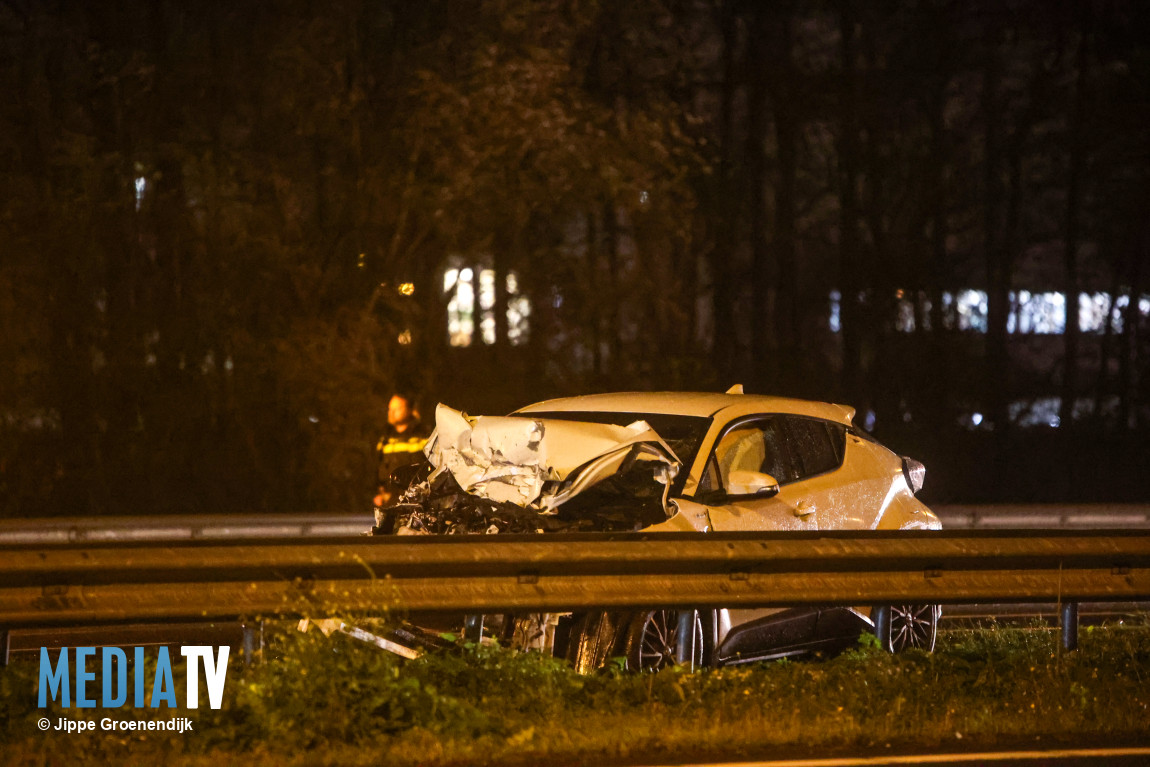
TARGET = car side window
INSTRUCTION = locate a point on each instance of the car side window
(759, 446)
(818, 446)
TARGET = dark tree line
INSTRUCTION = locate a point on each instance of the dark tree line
(209, 213)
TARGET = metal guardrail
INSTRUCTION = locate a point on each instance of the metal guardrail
(61, 530)
(110, 583)
(1082, 516)
(179, 527)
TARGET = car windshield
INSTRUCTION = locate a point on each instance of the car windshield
(682, 433)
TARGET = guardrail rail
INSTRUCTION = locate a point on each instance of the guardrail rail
(109, 583)
(307, 525)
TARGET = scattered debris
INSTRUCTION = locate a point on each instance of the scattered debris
(331, 626)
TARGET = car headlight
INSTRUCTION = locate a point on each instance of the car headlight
(914, 472)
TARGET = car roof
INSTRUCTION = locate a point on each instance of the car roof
(701, 404)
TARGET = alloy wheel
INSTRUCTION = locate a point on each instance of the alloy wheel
(902, 627)
(655, 638)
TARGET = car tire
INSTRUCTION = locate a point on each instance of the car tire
(653, 640)
(595, 638)
(906, 627)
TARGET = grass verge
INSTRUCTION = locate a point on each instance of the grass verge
(335, 701)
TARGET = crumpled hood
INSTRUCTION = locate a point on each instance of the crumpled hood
(511, 459)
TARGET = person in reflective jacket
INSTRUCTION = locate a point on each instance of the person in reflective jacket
(401, 445)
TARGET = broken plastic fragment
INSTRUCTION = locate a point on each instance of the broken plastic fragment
(330, 626)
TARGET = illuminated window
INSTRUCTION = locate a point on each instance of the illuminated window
(460, 307)
(487, 305)
(471, 303)
(1094, 308)
(965, 310)
(905, 321)
(1030, 313)
(1036, 313)
(927, 305)
(518, 312)
(1042, 411)
(972, 309)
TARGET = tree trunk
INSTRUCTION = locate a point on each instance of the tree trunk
(1073, 206)
(997, 272)
(788, 370)
(723, 294)
(594, 289)
(762, 357)
(850, 250)
(614, 293)
(1128, 368)
(1101, 384)
(936, 383)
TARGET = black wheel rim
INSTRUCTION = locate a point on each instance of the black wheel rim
(912, 626)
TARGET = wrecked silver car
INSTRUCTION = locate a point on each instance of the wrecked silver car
(671, 462)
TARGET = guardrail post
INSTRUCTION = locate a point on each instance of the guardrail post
(253, 642)
(5, 646)
(1070, 626)
(881, 617)
(685, 637)
(473, 628)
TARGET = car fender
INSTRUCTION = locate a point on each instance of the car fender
(905, 512)
(686, 517)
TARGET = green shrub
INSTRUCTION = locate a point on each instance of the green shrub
(344, 700)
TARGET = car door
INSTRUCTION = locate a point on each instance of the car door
(852, 495)
(820, 489)
(757, 445)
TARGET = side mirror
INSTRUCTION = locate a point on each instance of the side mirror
(751, 483)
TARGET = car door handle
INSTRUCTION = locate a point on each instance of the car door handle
(804, 509)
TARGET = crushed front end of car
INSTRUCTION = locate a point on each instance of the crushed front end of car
(519, 474)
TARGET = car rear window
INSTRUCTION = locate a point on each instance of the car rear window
(817, 446)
